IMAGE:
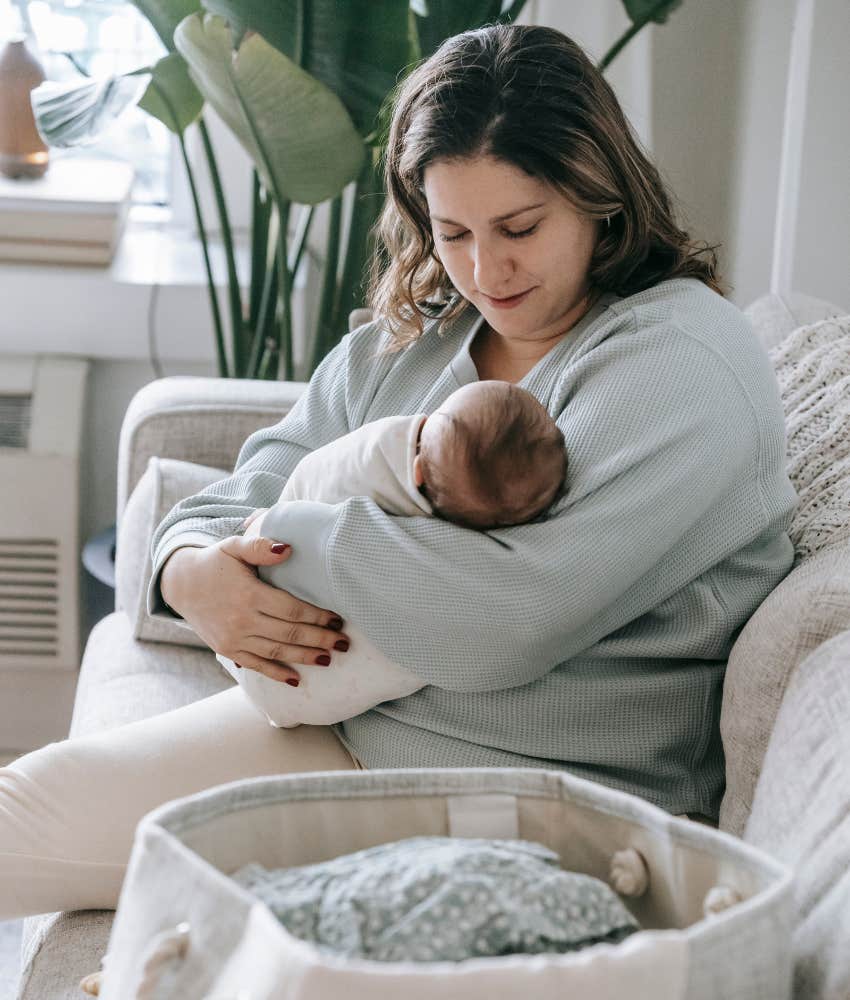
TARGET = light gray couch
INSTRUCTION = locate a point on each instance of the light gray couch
(786, 713)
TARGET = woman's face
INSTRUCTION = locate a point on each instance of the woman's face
(512, 245)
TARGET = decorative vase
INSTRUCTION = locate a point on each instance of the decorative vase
(22, 151)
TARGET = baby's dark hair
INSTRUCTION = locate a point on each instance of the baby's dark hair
(499, 463)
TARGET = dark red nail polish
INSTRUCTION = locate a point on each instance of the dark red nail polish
(323, 660)
(238, 665)
(341, 645)
(336, 624)
(279, 547)
(292, 682)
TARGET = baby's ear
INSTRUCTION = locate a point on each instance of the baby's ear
(418, 477)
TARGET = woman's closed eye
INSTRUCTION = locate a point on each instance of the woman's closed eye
(511, 234)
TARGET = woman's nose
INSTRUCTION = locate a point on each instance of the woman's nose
(491, 269)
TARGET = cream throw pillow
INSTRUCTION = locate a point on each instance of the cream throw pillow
(813, 370)
(165, 482)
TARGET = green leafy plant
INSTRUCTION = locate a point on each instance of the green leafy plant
(304, 86)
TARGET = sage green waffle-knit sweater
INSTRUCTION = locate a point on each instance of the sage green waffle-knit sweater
(593, 640)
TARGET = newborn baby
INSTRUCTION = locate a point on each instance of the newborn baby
(490, 456)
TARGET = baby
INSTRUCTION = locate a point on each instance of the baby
(489, 457)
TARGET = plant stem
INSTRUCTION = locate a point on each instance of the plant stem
(202, 233)
(282, 203)
(321, 334)
(629, 34)
(285, 369)
(365, 209)
(260, 212)
(264, 329)
(235, 294)
(304, 220)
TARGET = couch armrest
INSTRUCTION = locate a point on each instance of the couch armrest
(201, 420)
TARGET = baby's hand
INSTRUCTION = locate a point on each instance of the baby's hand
(253, 522)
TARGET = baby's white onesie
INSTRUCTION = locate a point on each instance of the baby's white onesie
(375, 460)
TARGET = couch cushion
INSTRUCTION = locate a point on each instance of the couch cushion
(801, 815)
(121, 680)
(59, 949)
(810, 606)
(773, 316)
(165, 482)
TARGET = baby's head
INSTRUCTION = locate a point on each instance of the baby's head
(490, 456)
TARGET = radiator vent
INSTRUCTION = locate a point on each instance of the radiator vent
(41, 412)
(15, 421)
(29, 596)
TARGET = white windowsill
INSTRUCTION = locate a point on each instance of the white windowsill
(103, 312)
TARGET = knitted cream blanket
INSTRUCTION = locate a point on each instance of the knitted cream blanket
(813, 369)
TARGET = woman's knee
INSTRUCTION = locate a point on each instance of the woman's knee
(66, 800)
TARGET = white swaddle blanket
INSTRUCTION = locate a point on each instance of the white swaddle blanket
(375, 460)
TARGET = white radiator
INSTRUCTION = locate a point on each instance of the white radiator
(41, 416)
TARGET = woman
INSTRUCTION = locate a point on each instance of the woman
(527, 239)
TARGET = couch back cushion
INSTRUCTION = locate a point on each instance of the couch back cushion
(812, 604)
(165, 482)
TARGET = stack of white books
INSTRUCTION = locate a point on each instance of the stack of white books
(74, 214)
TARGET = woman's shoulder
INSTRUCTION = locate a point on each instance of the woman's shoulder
(685, 302)
(698, 320)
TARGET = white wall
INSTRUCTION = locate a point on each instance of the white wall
(112, 384)
(720, 69)
(822, 264)
(706, 93)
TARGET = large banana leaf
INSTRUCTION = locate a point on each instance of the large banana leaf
(165, 15)
(293, 127)
(72, 114)
(357, 48)
(171, 96)
(437, 20)
(75, 113)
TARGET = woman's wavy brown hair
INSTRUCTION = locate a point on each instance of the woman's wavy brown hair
(529, 96)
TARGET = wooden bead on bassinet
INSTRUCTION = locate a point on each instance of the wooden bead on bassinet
(720, 898)
(91, 983)
(629, 874)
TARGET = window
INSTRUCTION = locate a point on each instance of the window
(76, 38)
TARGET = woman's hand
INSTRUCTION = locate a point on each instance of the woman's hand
(217, 591)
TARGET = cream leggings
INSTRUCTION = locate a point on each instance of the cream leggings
(68, 811)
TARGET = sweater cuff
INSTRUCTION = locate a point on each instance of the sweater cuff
(306, 525)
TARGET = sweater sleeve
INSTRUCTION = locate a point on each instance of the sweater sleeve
(663, 447)
(265, 462)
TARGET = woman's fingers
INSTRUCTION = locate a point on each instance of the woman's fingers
(277, 671)
(285, 607)
(308, 640)
(252, 622)
(280, 604)
(251, 518)
(256, 551)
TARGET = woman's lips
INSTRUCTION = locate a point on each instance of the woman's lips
(510, 301)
